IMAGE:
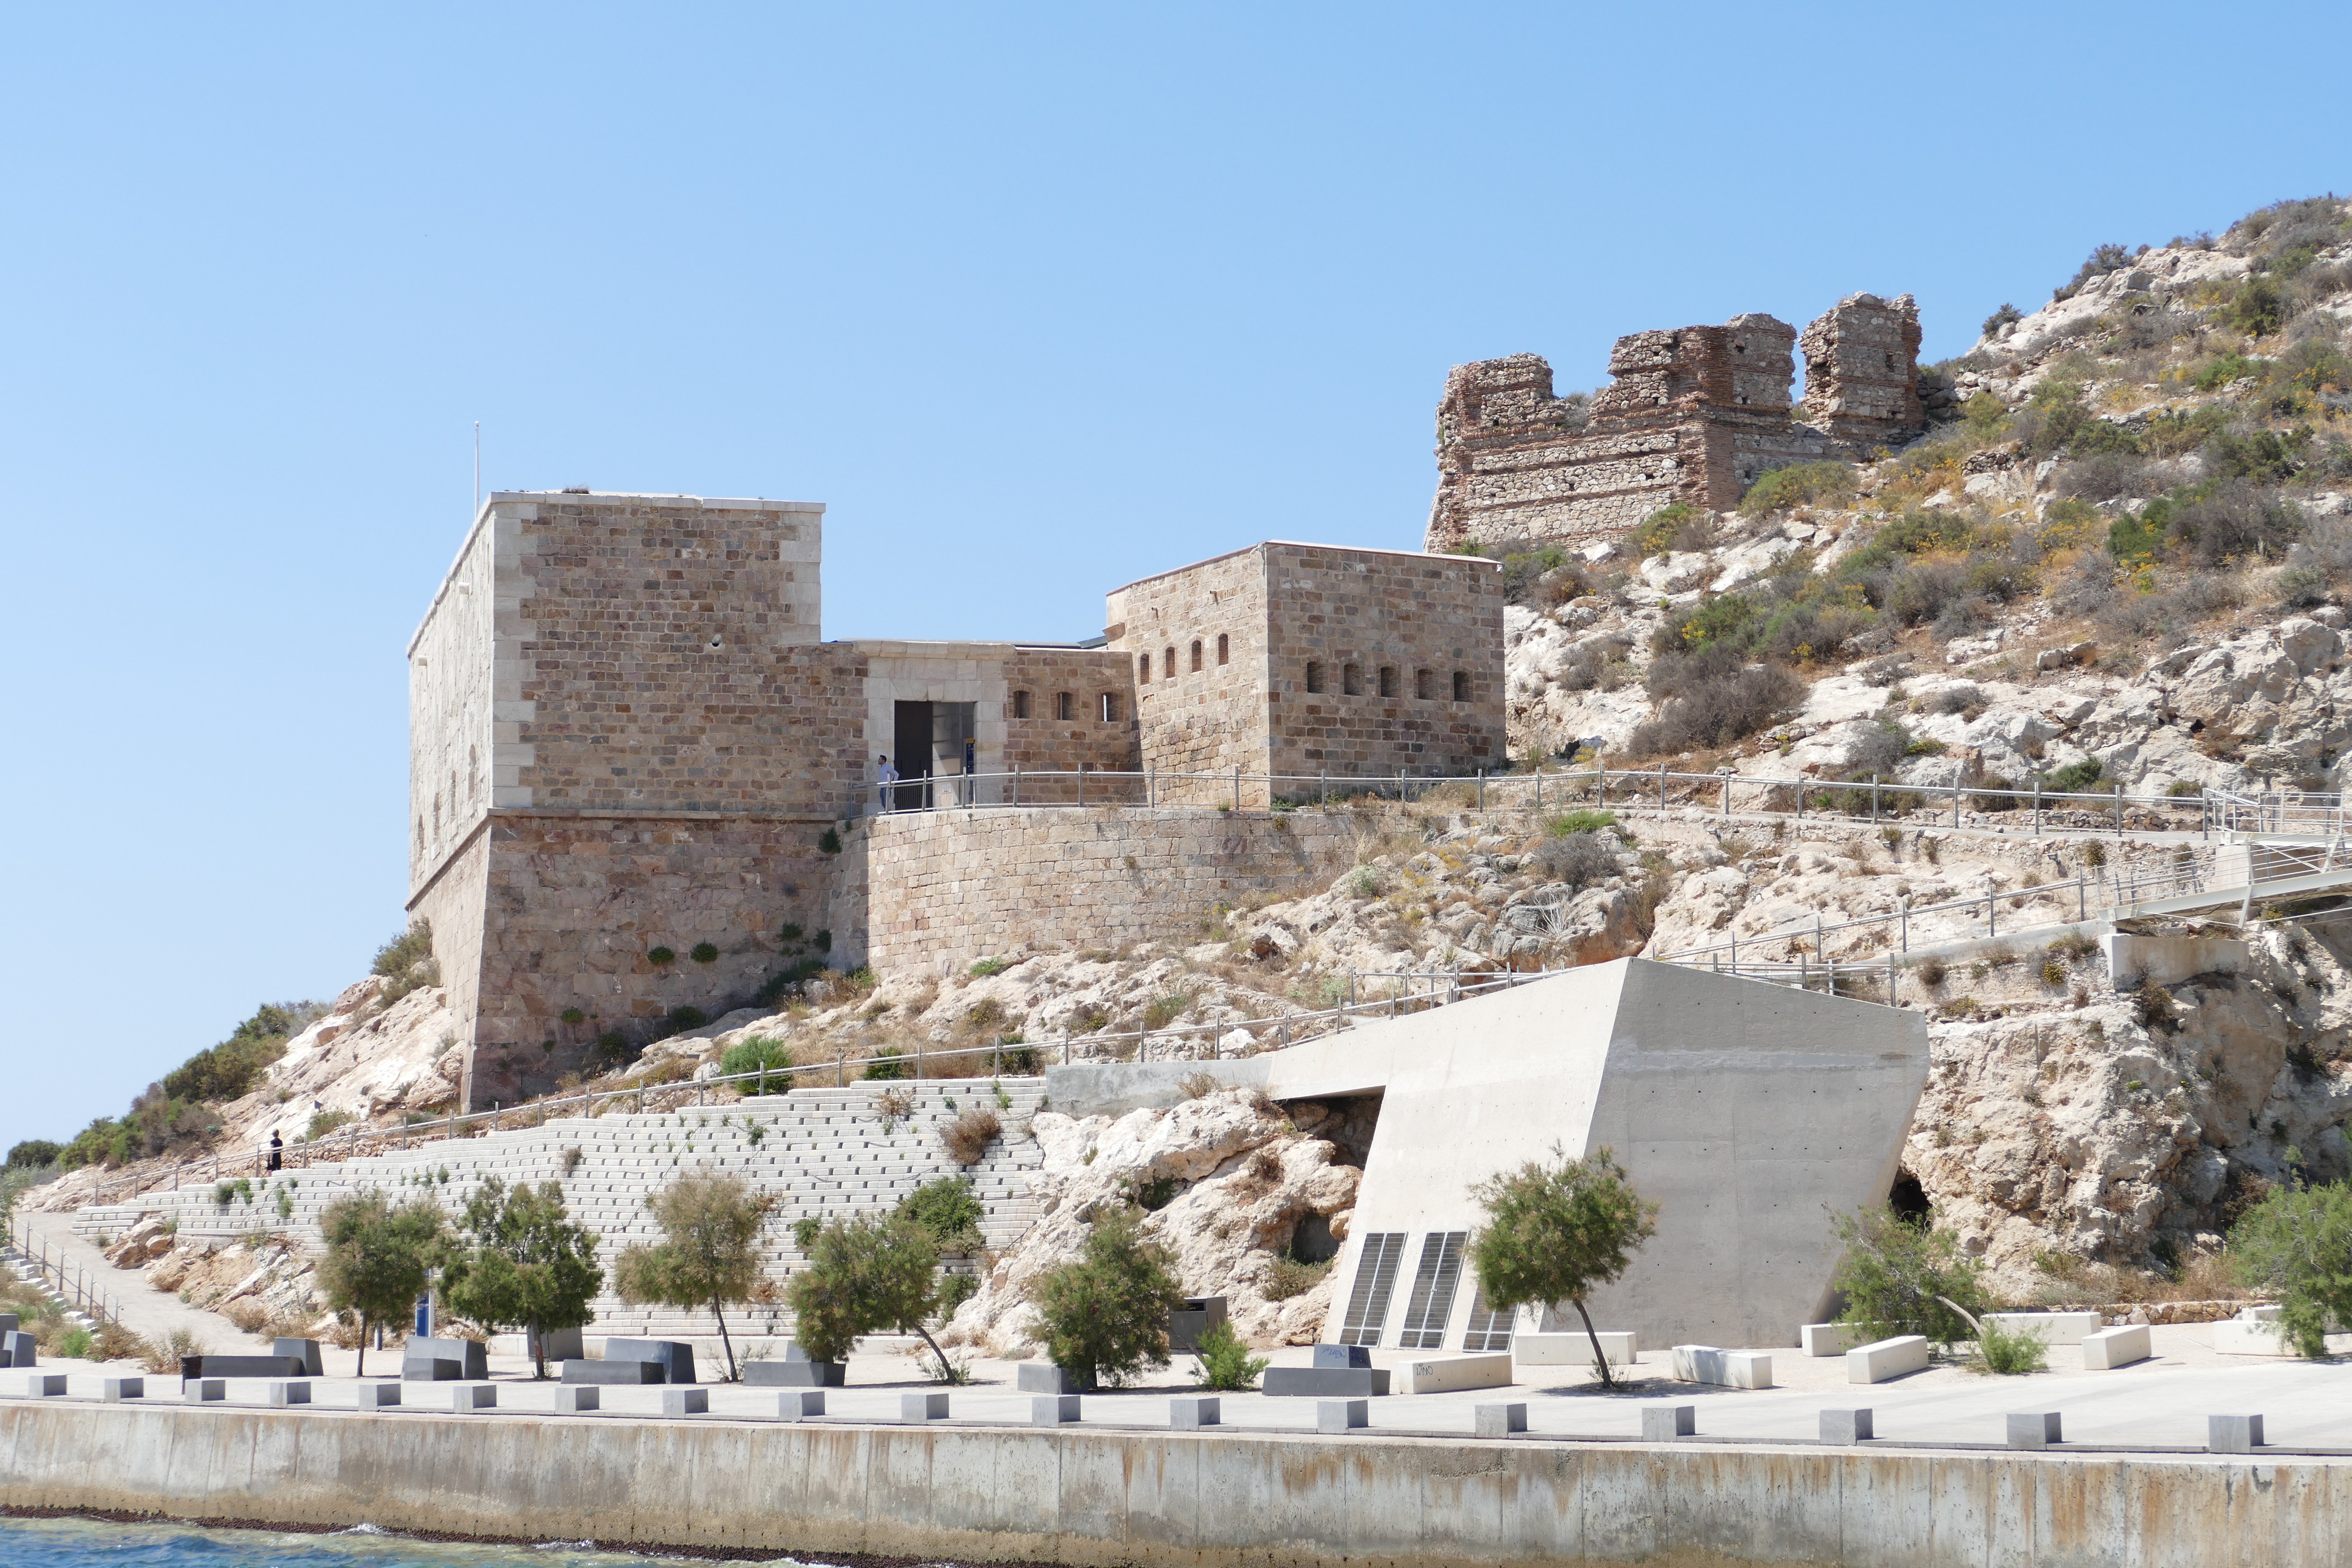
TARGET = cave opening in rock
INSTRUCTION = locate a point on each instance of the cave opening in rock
(1909, 1201)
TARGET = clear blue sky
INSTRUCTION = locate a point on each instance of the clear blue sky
(1038, 300)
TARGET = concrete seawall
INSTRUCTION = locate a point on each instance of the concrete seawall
(1108, 1497)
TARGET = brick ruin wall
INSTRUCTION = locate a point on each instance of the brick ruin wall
(1693, 415)
(954, 886)
(1209, 720)
(1414, 614)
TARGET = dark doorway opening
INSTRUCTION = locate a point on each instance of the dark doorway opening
(1909, 1201)
(910, 753)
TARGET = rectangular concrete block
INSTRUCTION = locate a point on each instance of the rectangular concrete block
(1886, 1359)
(1830, 1339)
(421, 1355)
(1846, 1427)
(1572, 1350)
(1044, 1377)
(432, 1369)
(1664, 1423)
(304, 1351)
(1453, 1373)
(39, 1385)
(800, 1405)
(1342, 1415)
(1723, 1369)
(574, 1398)
(115, 1389)
(2054, 1328)
(2033, 1429)
(1342, 1356)
(1192, 1415)
(2111, 1348)
(631, 1373)
(686, 1401)
(378, 1396)
(284, 1393)
(922, 1407)
(1052, 1409)
(790, 1373)
(2248, 1335)
(2232, 1434)
(19, 1349)
(194, 1390)
(1324, 1381)
(1498, 1420)
(674, 1357)
(465, 1396)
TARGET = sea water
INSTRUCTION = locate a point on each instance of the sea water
(90, 1543)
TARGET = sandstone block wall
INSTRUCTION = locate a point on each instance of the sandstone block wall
(954, 886)
(451, 728)
(1196, 641)
(1693, 415)
(1018, 692)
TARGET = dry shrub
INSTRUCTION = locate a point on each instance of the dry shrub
(164, 1357)
(346, 1332)
(248, 1315)
(968, 1136)
(114, 1343)
(1196, 1084)
(1290, 1278)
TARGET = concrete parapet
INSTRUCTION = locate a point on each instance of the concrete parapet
(2111, 1348)
(2054, 1328)
(1886, 1359)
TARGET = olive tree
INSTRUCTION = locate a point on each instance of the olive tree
(1556, 1232)
(377, 1258)
(1105, 1313)
(710, 1252)
(526, 1264)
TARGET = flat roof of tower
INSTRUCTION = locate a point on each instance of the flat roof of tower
(1303, 544)
(730, 504)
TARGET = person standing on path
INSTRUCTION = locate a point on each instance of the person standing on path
(885, 776)
(276, 1150)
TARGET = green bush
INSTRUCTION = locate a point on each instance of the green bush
(75, 1343)
(2223, 369)
(950, 1213)
(660, 955)
(1905, 1278)
(2011, 1352)
(704, 952)
(2103, 259)
(2129, 539)
(1555, 1233)
(1104, 1315)
(34, 1153)
(864, 1276)
(1581, 822)
(885, 1065)
(1679, 526)
(682, 1018)
(988, 966)
(830, 842)
(2006, 316)
(325, 1122)
(2296, 1244)
(612, 1049)
(1799, 483)
(2258, 308)
(406, 963)
(1166, 1008)
(1225, 1363)
(772, 1059)
(2074, 778)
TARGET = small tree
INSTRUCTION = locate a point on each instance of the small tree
(1555, 1233)
(1902, 1278)
(528, 1266)
(1104, 1315)
(710, 1252)
(2296, 1244)
(863, 1276)
(378, 1257)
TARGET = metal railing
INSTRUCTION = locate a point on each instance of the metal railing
(1406, 991)
(61, 1276)
(1725, 794)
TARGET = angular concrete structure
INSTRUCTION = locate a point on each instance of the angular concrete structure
(1750, 1112)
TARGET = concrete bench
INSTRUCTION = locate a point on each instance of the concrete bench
(1723, 1369)
(2111, 1348)
(2254, 1331)
(1572, 1350)
(1830, 1339)
(1453, 1373)
(2054, 1328)
(1886, 1359)
(625, 1373)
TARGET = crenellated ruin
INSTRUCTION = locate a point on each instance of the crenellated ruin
(1693, 415)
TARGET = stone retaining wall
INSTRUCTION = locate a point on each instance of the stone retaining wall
(1134, 1496)
(913, 889)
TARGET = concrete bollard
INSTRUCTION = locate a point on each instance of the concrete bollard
(1498, 1420)
(1342, 1415)
(686, 1401)
(378, 1396)
(922, 1407)
(1664, 1423)
(576, 1399)
(1052, 1409)
(465, 1396)
(204, 1390)
(1192, 1415)
(40, 1384)
(283, 1393)
(2232, 1434)
(800, 1403)
(1845, 1427)
(2033, 1429)
(114, 1389)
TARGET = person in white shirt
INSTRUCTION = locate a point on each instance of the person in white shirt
(884, 775)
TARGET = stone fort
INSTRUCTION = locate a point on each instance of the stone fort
(641, 781)
(1692, 415)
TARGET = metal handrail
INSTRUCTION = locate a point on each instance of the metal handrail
(85, 1295)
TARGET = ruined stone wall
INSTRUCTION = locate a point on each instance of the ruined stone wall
(1861, 373)
(647, 634)
(1196, 643)
(1423, 618)
(958, 886)
(1693, 415)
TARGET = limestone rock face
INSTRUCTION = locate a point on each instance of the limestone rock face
(1246, 1175)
